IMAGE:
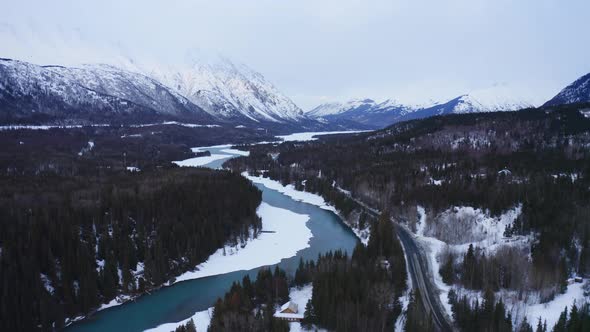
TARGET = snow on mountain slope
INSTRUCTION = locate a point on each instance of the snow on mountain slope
(137, 88)
(226, 90)
(578, 91)
(88, 94)
(328, 109)
(497, 98)
(363, 111)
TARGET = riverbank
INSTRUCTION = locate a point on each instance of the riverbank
(309, 198)
(284, 234)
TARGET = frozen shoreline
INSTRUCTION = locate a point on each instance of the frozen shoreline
(289, 190)
(202, 319)
(309, 136)
(289, 235)
(200, 161)
(305, 197)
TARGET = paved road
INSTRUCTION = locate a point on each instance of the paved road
(420, 272)
(422, 279)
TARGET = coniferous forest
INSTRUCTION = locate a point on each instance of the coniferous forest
(358, 292)
(78, 229)
(250, 305)
(534, 159)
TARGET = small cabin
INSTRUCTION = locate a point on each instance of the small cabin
(289, 308)
(289, 312)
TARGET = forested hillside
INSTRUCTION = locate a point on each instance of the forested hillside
(89, 214)
(358, 292)
(527, 172)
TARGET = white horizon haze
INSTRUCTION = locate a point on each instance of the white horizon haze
(324, 51)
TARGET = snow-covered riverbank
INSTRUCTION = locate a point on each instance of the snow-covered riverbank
(200, 161)
(285, 233)
(289, 190)
(305, 197)
(202, 319)
(309, 136)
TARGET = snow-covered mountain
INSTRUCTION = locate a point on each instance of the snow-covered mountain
(333, 109)
(89, 94)
(228, 91)
(378, 115)
(577, 92)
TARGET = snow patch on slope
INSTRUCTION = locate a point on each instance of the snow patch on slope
(460, 227)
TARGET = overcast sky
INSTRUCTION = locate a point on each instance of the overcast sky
(317, 51)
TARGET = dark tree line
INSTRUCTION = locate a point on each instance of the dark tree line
(249, 306)
(575, 320)
(490, 315)
(70, 243)
(357, 293)
(188, 327)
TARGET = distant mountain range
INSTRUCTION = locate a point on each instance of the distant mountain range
(378, 115)
(204, 93)
(213, 91)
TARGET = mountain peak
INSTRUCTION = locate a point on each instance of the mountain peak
(576, 92)
(225, 89)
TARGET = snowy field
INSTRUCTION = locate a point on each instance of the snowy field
(474, 226)
(200, 161)
(550, 311)
(460, 227)
(289, 235)
(47, 127)
(309, 136)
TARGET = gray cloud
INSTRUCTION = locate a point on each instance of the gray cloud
(319, 51)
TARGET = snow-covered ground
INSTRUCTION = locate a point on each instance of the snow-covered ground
(202, 319)
(400, 322)
(118, 300)
(47, 127)
(200, 161)
(299, 296)
(550, 311)
(460, 227)
(309, 136)
(235, 151)
(289, 235)
(167, 123)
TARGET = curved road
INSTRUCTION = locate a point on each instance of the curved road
(420, 272)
